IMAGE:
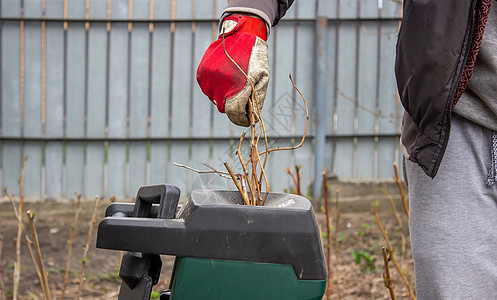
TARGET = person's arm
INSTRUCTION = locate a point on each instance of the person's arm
(245, 25)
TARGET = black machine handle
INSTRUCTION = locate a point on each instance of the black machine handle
(166, 195)
(140, 271)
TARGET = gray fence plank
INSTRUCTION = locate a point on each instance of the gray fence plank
(137, 166)
(346, 78)
(365, 158)
(11, 86)
(370, 8)
(54, 154)
(386, 150)
(32, 118)
(33, 174)
(182, 77)
(388, 89)
(97, 43)
(54, 108)
(344, 157)
(141, 9)
(11, 8)
(95, 160)
(74, 168)
(348, 9)
(11, 166)
(161, 55)
(116, 174)
(202, 106)
(159, 162)
(32, 80)
(75, 80)
(162, 9)
(179, 154)
(391, 8)
(281, 120)
(139, 81)
(304, 75)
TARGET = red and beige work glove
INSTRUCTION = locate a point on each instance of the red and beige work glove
(224, 84)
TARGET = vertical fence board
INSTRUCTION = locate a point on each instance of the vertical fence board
(11, 103)
(391, 8)
(75, 103)
(32, 79)
(159, 162)
(346, 78)
(54, 108)
(181, 80)
(11, 8)
(32, 107)
(11, 166)
(179, 154)
(283, 91)
(96, 102)
(138, 105)
(303, 76)
(137, 166)
(95, 160)
(386, 151)
(348, 8)
(344, 158)
(116, 169)
(388, 89)
(201, 104)
(118, 87)
(160, 80)
(97, 43)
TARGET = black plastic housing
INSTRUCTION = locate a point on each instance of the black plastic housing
(215, 224)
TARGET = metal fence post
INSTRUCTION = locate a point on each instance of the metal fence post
(321, 76)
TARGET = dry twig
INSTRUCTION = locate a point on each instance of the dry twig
(337, 250)
(72, 235)
(386, 277)
(245, 200)
(87, 248)
(328, 234)
(17, 264)
(399, 184)
(392, 255)
(212, 171)
(42, 274)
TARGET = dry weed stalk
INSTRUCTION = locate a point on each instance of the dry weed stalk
(70, 240)
(399, 184)
(87, 248)
(386, 277)
(328, 234)
(391, 251)
(17, 264)
(42, 274)
(2, 284)
(296, 179)
(337, 250)
(399, 221)
(394, 207)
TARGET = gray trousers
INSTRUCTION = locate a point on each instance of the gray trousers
(453, 219)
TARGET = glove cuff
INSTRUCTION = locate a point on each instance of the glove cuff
(239, 23)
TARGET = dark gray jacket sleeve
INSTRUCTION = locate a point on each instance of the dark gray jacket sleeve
(270, 11)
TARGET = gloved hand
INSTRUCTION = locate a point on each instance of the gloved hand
(224, 84)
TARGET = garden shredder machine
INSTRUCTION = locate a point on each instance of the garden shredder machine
(223, 249)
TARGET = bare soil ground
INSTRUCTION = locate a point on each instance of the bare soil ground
(357, 232)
